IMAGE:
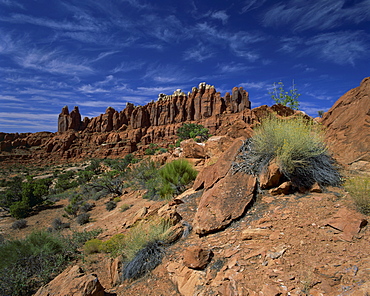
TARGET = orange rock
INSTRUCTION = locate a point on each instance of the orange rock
(73, 281)
(196, 257)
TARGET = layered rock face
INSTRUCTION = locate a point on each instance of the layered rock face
(202, 103)
(348, 126)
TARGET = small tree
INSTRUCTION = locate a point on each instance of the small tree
(286, 98)
(191, 131)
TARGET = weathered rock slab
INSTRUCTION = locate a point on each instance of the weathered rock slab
(73, 281)
(211, 174)
(226, 201)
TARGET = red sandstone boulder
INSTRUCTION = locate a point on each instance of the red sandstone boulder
(226, 201)
(73, 281)
(196, 257)
(192, 149)
(211, 174)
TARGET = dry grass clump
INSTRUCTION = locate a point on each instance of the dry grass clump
(297, 145)
(359, 189)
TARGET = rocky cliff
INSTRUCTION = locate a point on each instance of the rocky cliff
(115, 133)
(202, 103)
(348, 126)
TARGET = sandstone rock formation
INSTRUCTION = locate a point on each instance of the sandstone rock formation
(348, 126)
(73, 281)
(227, 195)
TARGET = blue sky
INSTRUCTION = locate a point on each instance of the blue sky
(96, 54)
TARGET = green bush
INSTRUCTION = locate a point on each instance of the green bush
(298, 147)
(114, 246)
(20, 209)
(92, 246)
(192, 131)
(175, 176)
(359, 189)
(29, 263)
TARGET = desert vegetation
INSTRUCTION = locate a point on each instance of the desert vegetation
(141, 248)
(26, 264)
(359, 189)
(298, 147)
(165, 182)
(192, 131)
(287, 98)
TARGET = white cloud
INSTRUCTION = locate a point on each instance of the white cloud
(128, 67)
(322, 15)
(343, 47)
(233, 67)
(199, 53)
(240, 43)
(220, 15)
(52, 62)
(89, 89)
(254, 85)
(252, 4)
(9, 98)
(10, 3)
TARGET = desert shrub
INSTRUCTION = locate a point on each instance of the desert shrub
(114, 246)
(85, 176)
(20, 209)
(19, 224)
(86, 207)
(117, 199)
(145, 175)
(83, 218)
(110, 183)
(92, 246)
(65, 181)
(143, 233)
(359, 189)
(298, 147)
(286, 98)
(57, 224)
(192, 131)
(95, 166)
(124, 207)
(110, 205)
(120, 165)
(29, 263)
(20, 197)
(144, 261)
(176, 175)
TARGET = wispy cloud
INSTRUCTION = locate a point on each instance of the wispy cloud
(254, 85)
(128, 67)
(252, 4)
(344, 47)
(52, 62)
(240, 43)
(322, 15)
(89, 89)
(11, 3)
(199, 53)
(220, 15)
(10, 98)
(232, 67)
